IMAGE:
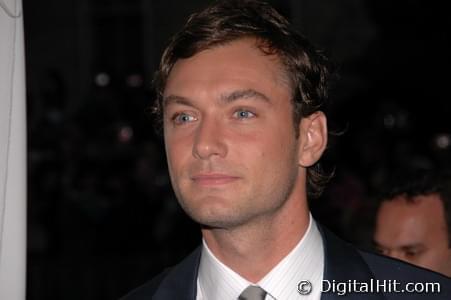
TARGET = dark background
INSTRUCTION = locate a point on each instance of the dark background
(102, 218)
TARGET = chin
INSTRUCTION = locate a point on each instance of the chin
(215, 217)
(215, 211)
(219, 223)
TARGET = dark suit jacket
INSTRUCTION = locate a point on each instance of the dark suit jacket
(343, 263)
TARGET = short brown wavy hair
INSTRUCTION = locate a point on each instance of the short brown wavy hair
(307, 68)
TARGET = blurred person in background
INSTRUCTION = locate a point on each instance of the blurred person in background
(413, 220)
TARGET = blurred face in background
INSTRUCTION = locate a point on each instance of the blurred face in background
(414, 231)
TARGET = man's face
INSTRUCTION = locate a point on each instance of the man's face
(415, 232)
(230, 141)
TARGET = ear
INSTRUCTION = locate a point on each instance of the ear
(312, 138)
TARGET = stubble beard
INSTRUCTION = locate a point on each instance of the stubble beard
(239, 211)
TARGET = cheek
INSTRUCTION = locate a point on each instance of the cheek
(267, 157)
(176, 151)
(252, 150)
(281, 149)
(430, 260)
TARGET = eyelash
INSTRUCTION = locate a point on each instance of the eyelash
(243, 110)
(176, 117)
(413, 253)
(380, 250)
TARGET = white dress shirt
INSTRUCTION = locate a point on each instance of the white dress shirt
(216, 281)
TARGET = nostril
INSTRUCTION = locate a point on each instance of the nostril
(209, 142)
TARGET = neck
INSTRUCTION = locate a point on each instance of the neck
(254, 249)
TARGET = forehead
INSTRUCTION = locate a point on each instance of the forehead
(405, 221)
(240, 64)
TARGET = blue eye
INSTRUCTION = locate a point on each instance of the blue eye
(183, 118)
(244, 114)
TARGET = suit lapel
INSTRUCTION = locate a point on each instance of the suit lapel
(343, 263)
(181, 280)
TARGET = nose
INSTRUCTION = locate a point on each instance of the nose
(209, 140)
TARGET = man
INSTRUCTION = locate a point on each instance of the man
(240, 94)
(413, 221)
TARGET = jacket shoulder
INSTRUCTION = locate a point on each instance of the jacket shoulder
(434, 285)
(384, 266)
(178, 282)
(148, 289)
(347, 264)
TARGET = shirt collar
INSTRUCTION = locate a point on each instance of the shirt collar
(216, 280)
(304, 262)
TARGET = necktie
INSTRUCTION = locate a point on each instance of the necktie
(252, 292)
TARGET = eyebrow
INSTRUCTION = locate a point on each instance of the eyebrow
(402, 247)
(419, 246)
(244, 94)
(173, 99)
(376, 244)
(225, 98)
